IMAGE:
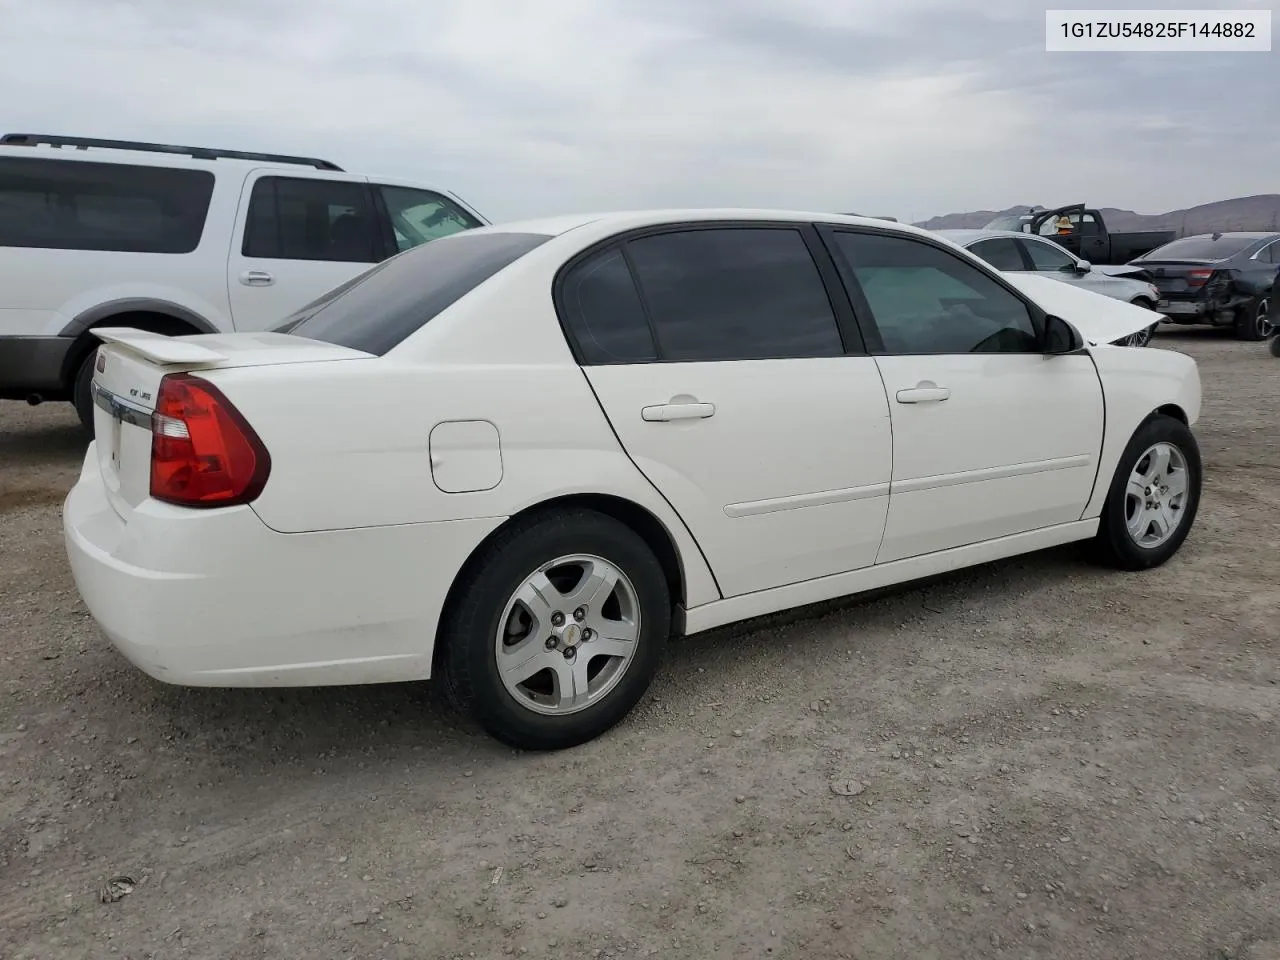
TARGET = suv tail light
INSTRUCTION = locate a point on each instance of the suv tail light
(203, 451)
(1198, 277)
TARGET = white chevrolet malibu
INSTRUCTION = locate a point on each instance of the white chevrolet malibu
(521, 457)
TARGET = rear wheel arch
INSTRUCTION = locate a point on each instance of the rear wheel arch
(175, 323)
(627, 512)
(76, 373)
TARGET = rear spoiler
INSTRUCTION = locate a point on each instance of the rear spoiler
(159, 348)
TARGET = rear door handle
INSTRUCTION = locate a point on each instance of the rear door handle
(663, 412)
(257, 278)
(926, 391)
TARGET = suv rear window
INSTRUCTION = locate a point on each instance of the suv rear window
(382, 306)
(75, 205)
(1200, 248)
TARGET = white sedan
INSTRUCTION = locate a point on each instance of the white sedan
(1015, 252)
(523, 456)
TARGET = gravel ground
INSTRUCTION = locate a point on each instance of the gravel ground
(1048, 760)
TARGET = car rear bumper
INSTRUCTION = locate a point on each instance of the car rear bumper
(32, 365)
(216, 598)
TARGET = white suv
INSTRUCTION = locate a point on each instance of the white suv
(178, 240)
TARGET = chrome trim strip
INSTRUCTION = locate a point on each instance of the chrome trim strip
(992, 473)
(822, 498)
(121, 409)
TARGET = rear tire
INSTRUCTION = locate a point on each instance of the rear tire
(1253, 321)
(1150, 508)
(521, 612)
(1275, 344)
(82, 393)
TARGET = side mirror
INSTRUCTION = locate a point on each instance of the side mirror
(1060, 337)
(1083, 266)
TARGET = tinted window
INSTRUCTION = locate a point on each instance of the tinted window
(291, 218)
(601, 306)
(69, 205)
(926, 300)
(735, 294)
(420, 215)
(1048, 256)
(1200, 248)
(1001, 253)
(1270, 253)
(388, 303)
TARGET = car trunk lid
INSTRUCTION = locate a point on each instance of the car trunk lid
(128, 370)
(1179, 279)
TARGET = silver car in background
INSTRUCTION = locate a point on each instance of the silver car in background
(1013, 252)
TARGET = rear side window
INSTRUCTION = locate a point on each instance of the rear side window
(601, 306)
(74, 205)
(296, 218)
(1001, 252)
(393, 300)
(734, 293)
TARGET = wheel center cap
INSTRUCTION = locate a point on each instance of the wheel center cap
(571, 635)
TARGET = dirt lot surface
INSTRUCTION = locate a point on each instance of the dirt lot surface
(1051, 760)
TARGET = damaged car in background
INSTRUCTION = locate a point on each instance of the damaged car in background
(1013, 252)
(1220, 279)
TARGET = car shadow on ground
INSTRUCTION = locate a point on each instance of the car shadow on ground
(335, 731)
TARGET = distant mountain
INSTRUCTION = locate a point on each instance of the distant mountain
(1261, 212)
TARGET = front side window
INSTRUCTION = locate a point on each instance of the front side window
(421, 215)
(1001, 252)
(1048, 256)
(73, 205)
(734, 293)
(296, 218)
(1080, 223)
(925, 300)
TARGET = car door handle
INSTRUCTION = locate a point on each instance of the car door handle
(257, 278)
(926, 391)
(663, 412)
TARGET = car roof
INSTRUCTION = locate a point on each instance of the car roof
(1238, 234)
(966, 236)
(618, 221)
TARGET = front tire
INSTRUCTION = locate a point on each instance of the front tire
(1275, 345)
(1253, 321)
(557, 629)
(1154, 496)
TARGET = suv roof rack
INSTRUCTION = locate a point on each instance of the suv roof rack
(199, 153)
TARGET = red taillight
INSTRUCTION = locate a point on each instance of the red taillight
(203, 451)
(1198, 277)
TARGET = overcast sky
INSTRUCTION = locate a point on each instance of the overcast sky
(902, 107)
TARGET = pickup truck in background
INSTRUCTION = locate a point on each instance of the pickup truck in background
(1089, 238)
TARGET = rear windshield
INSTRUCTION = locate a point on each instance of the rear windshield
(1200, 248)
(376, 310)
(78, 205)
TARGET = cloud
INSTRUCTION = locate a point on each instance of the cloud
(908, 108)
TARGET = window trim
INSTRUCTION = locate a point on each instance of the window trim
(847, 327)
(1269, 245)
(862, 307)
